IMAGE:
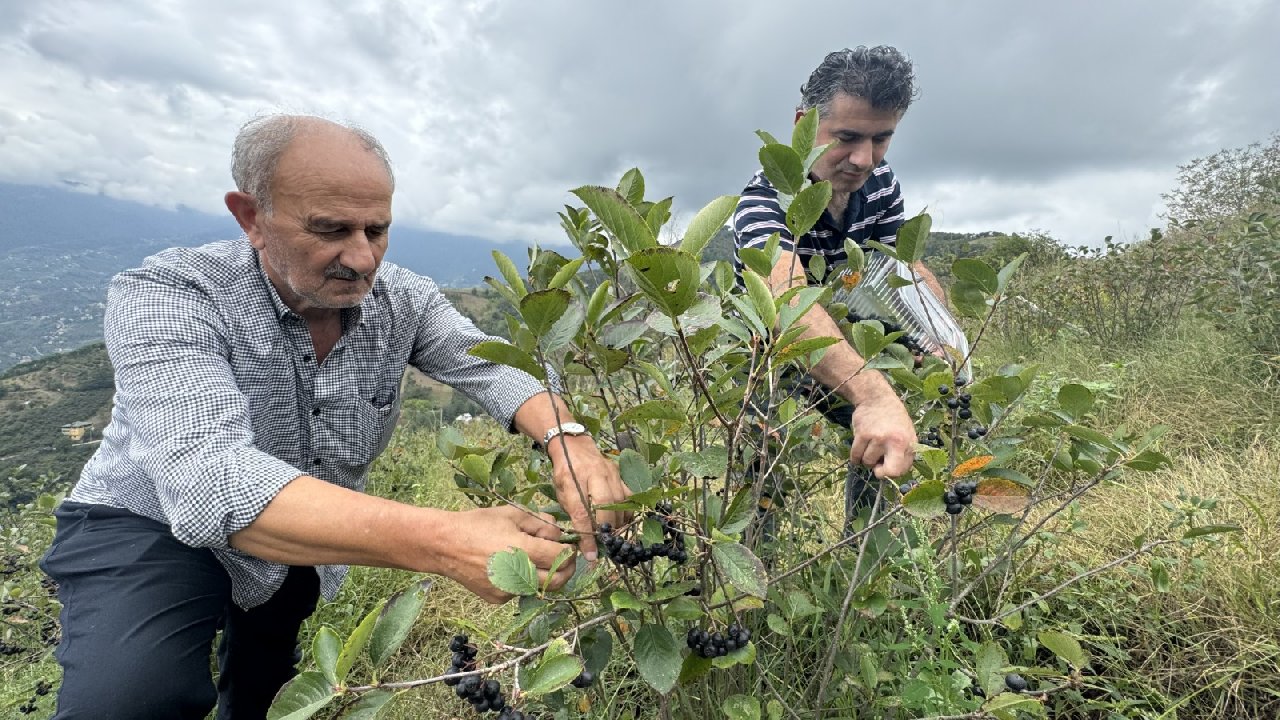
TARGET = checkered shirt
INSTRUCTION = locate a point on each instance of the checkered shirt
(220, 402)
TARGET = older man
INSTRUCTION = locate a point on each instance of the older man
(256, 380)
(861, 95)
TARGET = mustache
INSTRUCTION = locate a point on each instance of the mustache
(342, 272)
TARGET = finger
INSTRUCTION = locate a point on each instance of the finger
(858, 450)
(562, 576)
(873, 455)
(895, 464)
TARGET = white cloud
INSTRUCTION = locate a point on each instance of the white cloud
(1070, 118)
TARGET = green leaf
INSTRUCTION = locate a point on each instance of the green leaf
(805, 133)
(683, 608)
(631, 186)
(326, 648)
(1159, 575)
(301, 697)
(667, 276)
(552, 674)
(634, 470)
(503, 353)
(693, 667)
(651, 410)
(658, 215)
(395, 621)
(989, 666)
(543, 308)
(512, 571)
(368, 707)
(622, 220)
(621, 335)
(976, 272)
(1006, 273)
(1065, 647)
(783, 167)
(1210, 530)
(969, 299)
(897, 282)
(1148, 461)
(596, 647)
(476, 467)
(510, 273)
(1075, 400)
(709, 462)
(706, 223)
(774, 710)
(356, 643)
(803, 349)
(1006, 705)
(599, 298)
(745, 655)
(777, 624)
(761, 299)
(767, 137)
(740, 511)
(657, 657)
(741, 707)
(623, 600)
(741, 568)
(925, 500)
(912, 235)
(807, 208)
(566, 273)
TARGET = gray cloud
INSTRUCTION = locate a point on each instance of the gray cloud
(1070, 117)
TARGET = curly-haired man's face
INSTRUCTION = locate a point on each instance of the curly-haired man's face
(858, 135)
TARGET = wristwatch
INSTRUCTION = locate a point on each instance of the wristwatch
(569, 428)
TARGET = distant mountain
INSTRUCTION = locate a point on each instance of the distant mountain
(63, 246)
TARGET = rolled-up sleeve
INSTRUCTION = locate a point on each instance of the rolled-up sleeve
(189, 422)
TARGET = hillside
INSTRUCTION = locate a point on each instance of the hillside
(63, 246)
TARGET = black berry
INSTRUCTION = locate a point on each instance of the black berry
(1015, 682)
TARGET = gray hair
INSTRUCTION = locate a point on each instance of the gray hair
(880, 75)
(262, 141)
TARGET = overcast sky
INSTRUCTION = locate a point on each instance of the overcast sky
(1067, 117)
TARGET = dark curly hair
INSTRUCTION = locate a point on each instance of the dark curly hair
(881, 75)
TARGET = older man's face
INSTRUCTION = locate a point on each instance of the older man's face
(859, 136)
(325, 238)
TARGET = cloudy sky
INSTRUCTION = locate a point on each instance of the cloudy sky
(1066, 117)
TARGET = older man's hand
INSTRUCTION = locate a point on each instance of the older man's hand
(883, 437)
(597, 483)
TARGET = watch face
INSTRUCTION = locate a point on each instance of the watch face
(572, 428)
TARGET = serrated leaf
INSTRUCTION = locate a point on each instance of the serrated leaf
(1006, 705)
(1065, 647)
(657, 657)
(709, 462)
(510, 274)
(805, 133)
(783, 167)
(395, 621)
(762, 300)
(543, 308)
(1075, 400)
(658, 215)
(552, 674)
(667, 276)
(706, 223)
(512, 571)
(911, 239)
(683, 608)
(1002, 496)
(807, 208)
(619, 217)
(741, 568)
(651, 410)
(977, 272)
(1210, 530)
(741, 707)
(300, 698)
(325, 648)
(925, 500)
(503, 353)
(624, 600)
(634, 470)
(740, 511)
(369, 706)
(631, 186)
(989, 665)
(356, 643)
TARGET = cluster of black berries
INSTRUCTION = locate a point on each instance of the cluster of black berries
(632, 554)
(7, 649)
(484, 695)
(960, 406)
(717, 644)
(42, 688)
(931, 438)
(464, 657)
(959, 495)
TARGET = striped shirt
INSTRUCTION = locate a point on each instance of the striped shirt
(875, 212)
(220, 402)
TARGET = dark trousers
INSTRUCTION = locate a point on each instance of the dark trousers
(140, 613)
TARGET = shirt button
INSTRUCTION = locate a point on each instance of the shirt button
(306, 358)
(315, 411)
(316, 461)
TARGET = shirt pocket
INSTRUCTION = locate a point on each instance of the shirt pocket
(375, 421)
